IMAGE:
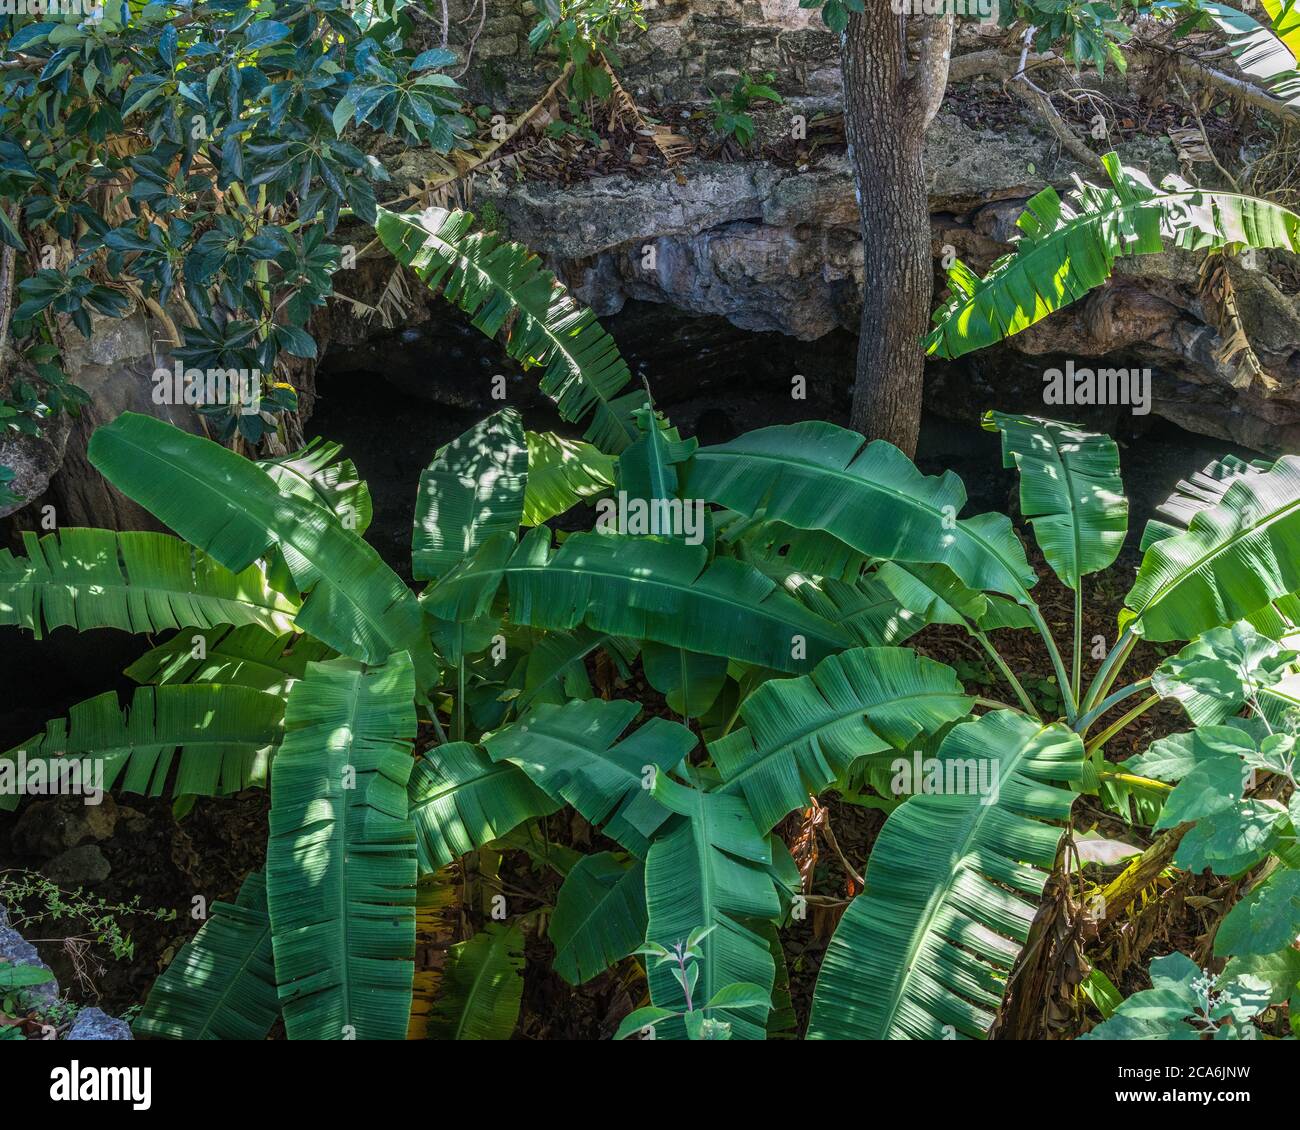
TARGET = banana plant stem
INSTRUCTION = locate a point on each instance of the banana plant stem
(1135, 781)
(437, 726)
(1110, 669)
(460, 700)
(1062, 676)
(1006, 671)
(1084, 721)
(1077, 673)
(1115, 727)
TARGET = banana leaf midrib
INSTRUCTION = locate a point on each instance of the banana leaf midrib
(1074, 511)
(921, 930)
(712, 595)
(1184, 572)
(1281, 694)
(207, 489)
(472, 994)
(97, 588)
(874, 484)
(339, 849)
(733, 785)
(197, 742)
(542, 320)
(234, 980)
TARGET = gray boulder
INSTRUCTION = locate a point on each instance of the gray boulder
(96, 1024)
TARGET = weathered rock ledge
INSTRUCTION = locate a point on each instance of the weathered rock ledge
(776, 248)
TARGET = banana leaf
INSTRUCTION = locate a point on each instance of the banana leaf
(951, 889)
(473, 489)
(135, 582)
(221, 986)
(341, 855)
(217, 739)
(234, 511)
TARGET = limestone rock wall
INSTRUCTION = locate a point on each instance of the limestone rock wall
(778, 248)
(689, 48)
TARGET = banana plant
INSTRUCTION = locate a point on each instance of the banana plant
(926, 950)
(1064, 249)
(400, 732)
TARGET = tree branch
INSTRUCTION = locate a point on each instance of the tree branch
(8, 278)
(1239, 88)
(929, 79)
(1042, 106)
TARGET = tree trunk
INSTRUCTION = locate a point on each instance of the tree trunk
(889, 102)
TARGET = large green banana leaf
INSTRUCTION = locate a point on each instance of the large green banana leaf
(555, 670)
(541, 666)
(317, 474)
(1206, 488)
(801, 735)
(482, 987)
(600, 916)
(561, 473)
(648, 470)
(224, 736)
(221, 986)
(816, 475)
(1070, 491)
(490, 280)
(1065, 251)
(951, 888)
(1236, 557)
(573, 753)
(244, 657)
(341, 857)
(648, 467)
(707, 868)
(896, 599)
(461, 800)
(931, 593)
(474, 488)
(234, 511)
(136, 582)
(643, 588)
